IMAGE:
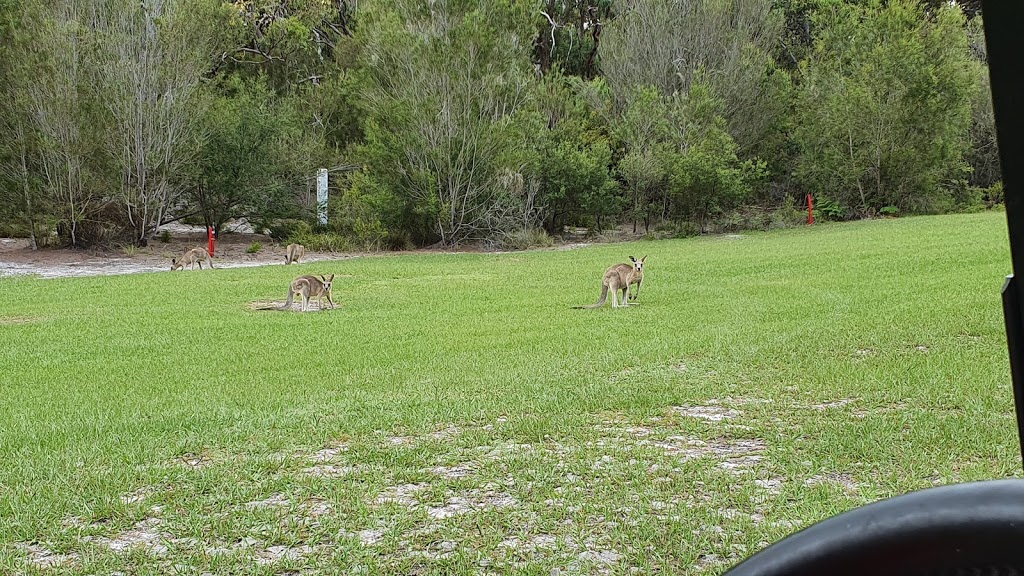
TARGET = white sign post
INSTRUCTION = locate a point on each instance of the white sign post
(321, 195)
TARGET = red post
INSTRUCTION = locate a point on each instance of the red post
(810, 209)
(209, 240)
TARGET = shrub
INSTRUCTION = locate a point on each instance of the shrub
(993, 195)
(284, 228)
(254, 248)
(827, 209)
(529, 238)
(322, 242)
(788, 215)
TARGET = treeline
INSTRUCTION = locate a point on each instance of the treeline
(454, 121)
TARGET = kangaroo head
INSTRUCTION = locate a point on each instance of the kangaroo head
(174, 264)
(327, 282)
(638, 265)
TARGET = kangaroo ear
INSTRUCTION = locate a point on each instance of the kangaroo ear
(644, 258)
(633, 259)
(331, 277)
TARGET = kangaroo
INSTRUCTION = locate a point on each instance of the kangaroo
(310, 286)
(293, 252)
(620, 277)
(191, 258)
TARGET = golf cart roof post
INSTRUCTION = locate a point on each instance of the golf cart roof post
(1004, 38)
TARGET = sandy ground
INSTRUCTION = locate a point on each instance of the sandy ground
(17, 257)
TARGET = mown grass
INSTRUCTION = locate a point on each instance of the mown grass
(859, 361)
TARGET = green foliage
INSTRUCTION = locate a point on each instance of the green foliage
(827, 209)
(321, 241)
(244, 167)
(254, 248)
(477, 120)
(885, 104)
(787, 215)
(283, 228)
(705, 174)
(577, 185)
(529, 238)
(445, 93)
(993, 195)
(165, 236)
(359, 214)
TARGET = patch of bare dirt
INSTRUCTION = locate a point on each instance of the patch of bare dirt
(230, 251)
(711, 413)
(453, 472)
(475, 500)
(834, 404)
(690, 448)
(367, 537)
(194, 461)
(330, 470)
(42, 556)
(313, 306)
(144, 534)
(403, 495)
(275, 554)
(842, 479)
(273, 501)
(138, 495)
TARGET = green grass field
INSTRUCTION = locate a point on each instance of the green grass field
(455, 416)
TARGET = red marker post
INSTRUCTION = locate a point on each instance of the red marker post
(810, 209)
(209, 240)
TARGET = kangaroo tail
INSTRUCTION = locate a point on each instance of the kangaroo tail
(288, 302)
(600, 302)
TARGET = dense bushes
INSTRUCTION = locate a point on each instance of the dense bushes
(495, 121)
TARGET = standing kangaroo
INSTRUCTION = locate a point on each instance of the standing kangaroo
(309, 286)
(191, 258)
(620, 277)
(293, 252)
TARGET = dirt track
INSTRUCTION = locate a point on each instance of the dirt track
(17, 258)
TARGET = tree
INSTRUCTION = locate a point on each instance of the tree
(885, 104)
(64, 108)
(663, 43)
(644, 132)
(247, 163)
(569, 34)
(149, 61)
(22, 203)
(704, 173)
(446, 91)
(577, 185)
(983, 151)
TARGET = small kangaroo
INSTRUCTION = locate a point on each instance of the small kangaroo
(293, 252)
(191, 258)
(620, 277)
(309, 286)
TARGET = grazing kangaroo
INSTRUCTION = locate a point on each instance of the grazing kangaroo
(293, 252)
(620, 277)
(310, 286)
(191, 258)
